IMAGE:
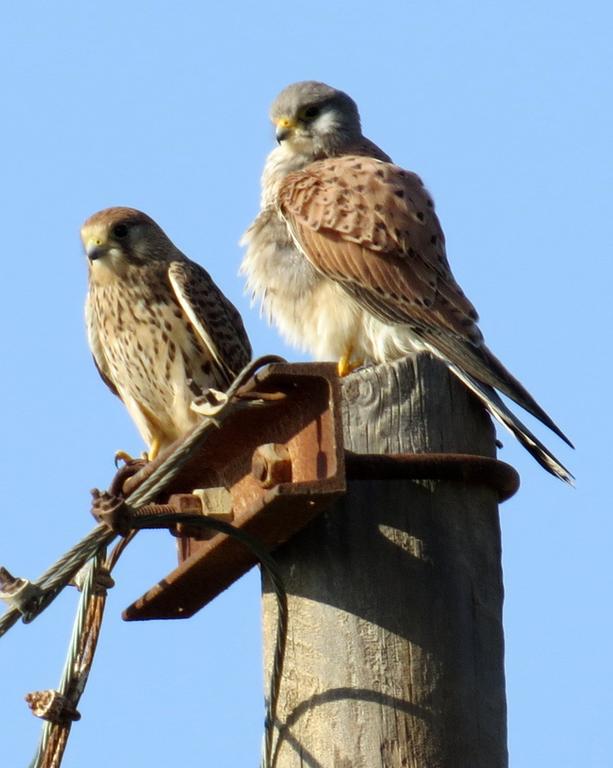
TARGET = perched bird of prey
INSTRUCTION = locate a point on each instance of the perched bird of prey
(160, 330)
(347, 257)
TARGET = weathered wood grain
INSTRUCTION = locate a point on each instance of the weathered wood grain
(395, 646)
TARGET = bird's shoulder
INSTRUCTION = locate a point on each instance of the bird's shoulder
(364, 200)
(366, 148)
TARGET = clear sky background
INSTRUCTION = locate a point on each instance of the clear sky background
(505, 110)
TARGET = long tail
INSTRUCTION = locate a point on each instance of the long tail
(483, 366)
(490, 398)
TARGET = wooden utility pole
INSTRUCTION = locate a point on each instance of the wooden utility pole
(395, 644)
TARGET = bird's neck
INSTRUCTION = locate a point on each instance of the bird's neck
(281, 161)
(107, 271)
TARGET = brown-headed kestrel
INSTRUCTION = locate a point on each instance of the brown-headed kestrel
(160, 330)
(348, 258)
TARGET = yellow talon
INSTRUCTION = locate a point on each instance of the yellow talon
(122, 456)
(149, 455)
(154, 449)
(346, 365)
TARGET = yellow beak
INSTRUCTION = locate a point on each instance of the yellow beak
(284, 128)
(95, 248)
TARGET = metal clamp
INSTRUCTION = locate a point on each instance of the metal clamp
(268, 471)
(53, 706)
(460, 467)
(19, 593)
(278, 466)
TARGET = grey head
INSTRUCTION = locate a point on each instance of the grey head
(315, 119)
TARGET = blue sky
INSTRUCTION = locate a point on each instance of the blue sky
(505, 110)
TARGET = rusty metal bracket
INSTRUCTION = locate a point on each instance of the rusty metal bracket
(272, 469)
(268, 471)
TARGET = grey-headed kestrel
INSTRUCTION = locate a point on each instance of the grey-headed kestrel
(347, 257)
(160, 330)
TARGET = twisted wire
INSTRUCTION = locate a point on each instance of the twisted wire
(92, 549)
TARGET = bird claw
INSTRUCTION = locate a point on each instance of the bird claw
(346, 366)
(122, 456)
(128, 459)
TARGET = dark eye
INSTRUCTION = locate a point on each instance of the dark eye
(311, 112)
(120, 230)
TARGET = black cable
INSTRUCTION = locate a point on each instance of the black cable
(269, 564)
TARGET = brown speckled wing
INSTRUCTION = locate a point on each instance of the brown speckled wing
(371, 226)
(215, 320)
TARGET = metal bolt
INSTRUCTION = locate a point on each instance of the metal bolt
(213, 502)
(271, 465)
(216, 502)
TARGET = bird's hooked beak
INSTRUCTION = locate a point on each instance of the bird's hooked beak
(95, 249)
(285, 126)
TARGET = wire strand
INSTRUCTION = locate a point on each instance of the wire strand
(92, 549)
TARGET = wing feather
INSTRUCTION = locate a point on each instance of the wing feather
(371, 226)
(367, 222)
(501, 413)
(214, 318)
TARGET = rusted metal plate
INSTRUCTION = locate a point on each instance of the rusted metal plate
(306, 427)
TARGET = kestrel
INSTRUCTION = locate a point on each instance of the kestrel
(347, 257)
(160, 330)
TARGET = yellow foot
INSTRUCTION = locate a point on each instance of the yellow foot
(149, 455)
(347, 366)
(122, 456)
(154, 449)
